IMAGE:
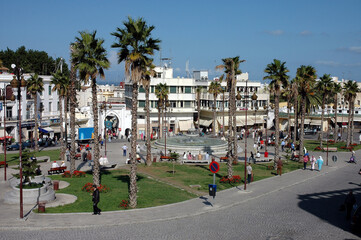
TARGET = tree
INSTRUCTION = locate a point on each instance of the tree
(336, 89)
(306, 80)
(294, 92)
(90, 59)
(324, 88)
(135, 48)
(35, 85)
(231, 69)
(277, 73)
(215, 89)
(73, 85)
(350, 91)
(161, 92)
(61, 85)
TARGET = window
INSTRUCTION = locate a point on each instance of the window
(9, 112)
(187, 104)
(49, 90)
(152, 89)
(141, 89)
(141, 103)
(50, 107)
(188, 89)
(159, 75)
(173, 89)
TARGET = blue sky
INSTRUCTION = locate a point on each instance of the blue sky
(324, 34)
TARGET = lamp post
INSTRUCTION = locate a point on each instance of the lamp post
(245, 139)
(18, 84)
(165, 105)
(103, 107)
(266, 139)
(254, 101)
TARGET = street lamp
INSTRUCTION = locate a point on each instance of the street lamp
(266, 140)
(166, 105)
(103, 107)
(18, 85)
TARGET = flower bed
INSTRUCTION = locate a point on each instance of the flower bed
(318, 148)
(67, 174)
(88, 187)
(124, 204)
(234, 179)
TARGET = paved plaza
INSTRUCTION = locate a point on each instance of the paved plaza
(299, 205)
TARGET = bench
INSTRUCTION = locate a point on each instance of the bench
(223, 159)
(196, 161)
(166, 158)
(330, 149)
(43, 159)
(263, 159)
(2, 163)
(56, 170)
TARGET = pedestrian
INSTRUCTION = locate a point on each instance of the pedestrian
(283, 143)
(89, 157)
(125, 150)
(319, 163)
(349, 202)
(54, 165)
(67, 154)
(96, 199)
(339, 136)
(305, 161)
(249, 173)
(279, 167)
(101, 143)
(184, 156)
(293, 147)
(62, 164)
(313, 161)
(138, 148)
(359, 138)
(207, 156)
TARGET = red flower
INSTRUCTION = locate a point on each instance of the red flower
(124, 204)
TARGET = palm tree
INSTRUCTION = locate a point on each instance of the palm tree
(35, 85)
(324, 88)
(61, 84)
(277, 73)
(135, 48)
(161, 92)
(215, 89)
(307, 78)
(198, 95)
(231, 69)
(90, 59)
(351, 89)
(73, 85)
(294, 92)
(336, 89)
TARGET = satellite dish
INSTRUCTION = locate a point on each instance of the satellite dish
(13, 65)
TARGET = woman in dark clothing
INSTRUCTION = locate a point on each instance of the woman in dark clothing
(96, 198)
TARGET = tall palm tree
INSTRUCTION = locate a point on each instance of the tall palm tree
(215, 89)
(335, 90)
(61, 84)
(277, 73)
(161, 92)
(90, 59)
(35, 85)
(307, 78)
(231, 69)
(73, 84)
(324, 87)
(198, 95)
(351, 89)
(294, 93)
(135, 48)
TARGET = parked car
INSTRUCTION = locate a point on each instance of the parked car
(310, 131)
(15, 146)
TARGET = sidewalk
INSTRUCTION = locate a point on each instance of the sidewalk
(10, 213)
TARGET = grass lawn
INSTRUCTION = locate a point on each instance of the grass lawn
(151, 193)
(312, 144)
(13, 158)
(186, 175)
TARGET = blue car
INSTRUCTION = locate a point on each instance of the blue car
(15, 146)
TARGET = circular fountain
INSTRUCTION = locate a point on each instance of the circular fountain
(193, 144)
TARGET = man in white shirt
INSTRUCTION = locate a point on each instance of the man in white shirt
(125, 150)
(54, 165)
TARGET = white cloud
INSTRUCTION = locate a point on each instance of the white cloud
(356, 49)
(113, 58)
(305, 33)
(275, 32)
(327, 63)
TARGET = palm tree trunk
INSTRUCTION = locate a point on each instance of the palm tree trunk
(214, 114)
(61, 129)
(352, 120)
(322, 117)
(72, 99)
(349, 125)
(230, 132)
(199, 109)
(96, 168)
(133, 189)
(36, 123)
(148, 158)
(288, 122)
(336, 126)
(303, 115)
(159, 125)
(295, 120)
(277, 124)
(223, 114)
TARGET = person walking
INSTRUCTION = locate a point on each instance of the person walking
(305, 161)
(67, 154)
(125, 150)
(96, 199)
(249, 173)
(89, 157)
(279, 167)
(283, 143)
(313, 161)
(349, 202)
(319, 163)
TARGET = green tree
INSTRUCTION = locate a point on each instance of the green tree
(324, 86)
(135, 48)
(90, 59)
(277, 73)
(162, 92)
(350, 91)
(335, 90)
(214, 89)
(35, 85)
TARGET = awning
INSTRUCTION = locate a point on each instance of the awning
(56, 129)
(315, 122)
(205, 123)
(7, 137)
(185, 125)
(240, 120)
(46, 129)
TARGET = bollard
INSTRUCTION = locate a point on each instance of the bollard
(56, 185)
(41, 207)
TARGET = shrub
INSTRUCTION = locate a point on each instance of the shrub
(88, 187)
(67, 174)
(234, 179)
(124, 204)
(318, 148)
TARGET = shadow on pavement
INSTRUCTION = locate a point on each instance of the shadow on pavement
(205, 201)
(326, 205)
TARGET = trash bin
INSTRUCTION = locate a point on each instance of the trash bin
(265, 154)
(56, 185)
(212, 190)
(41, 207)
